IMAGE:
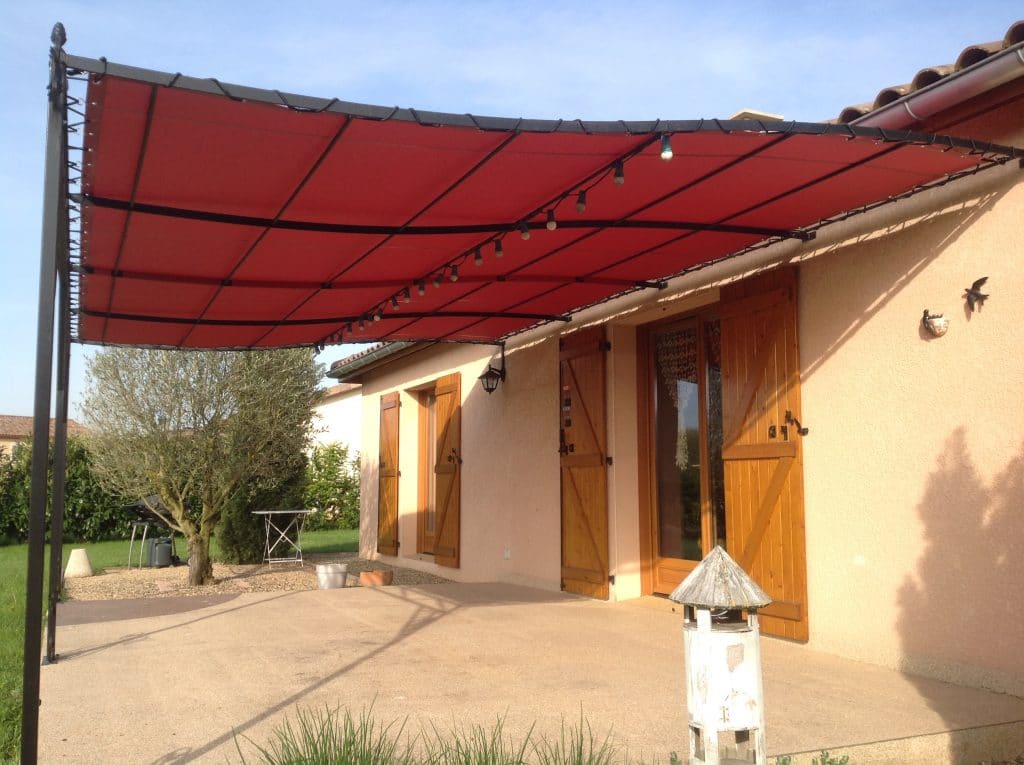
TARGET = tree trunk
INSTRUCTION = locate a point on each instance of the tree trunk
(200, 567)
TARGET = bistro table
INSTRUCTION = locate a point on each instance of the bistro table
(283, 529)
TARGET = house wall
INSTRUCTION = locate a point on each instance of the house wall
(339, 419)
(510, 498)
(914, 465)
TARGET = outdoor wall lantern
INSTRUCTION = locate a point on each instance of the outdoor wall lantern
(935, 323)
(490, 379)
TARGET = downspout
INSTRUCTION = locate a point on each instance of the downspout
(988, 74)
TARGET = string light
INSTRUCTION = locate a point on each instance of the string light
(394, 302)
(620, 173)
(666, 147)
(362, 324)
(455, 274)
(581, 202)
(379, 315)
(421, 288)
(348, 328)
(478, 258)
(551, 224)
(524, 230)
(406, 297)
(499, 250)
(437, 280)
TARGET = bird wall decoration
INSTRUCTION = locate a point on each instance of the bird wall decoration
(975, 298)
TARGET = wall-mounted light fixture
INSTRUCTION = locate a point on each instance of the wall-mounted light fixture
(935, 323)
(490, 379)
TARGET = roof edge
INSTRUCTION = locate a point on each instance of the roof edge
(947, 92)
(351, 368)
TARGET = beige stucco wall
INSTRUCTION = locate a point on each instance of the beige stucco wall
(914, 466)
(510, 518)
(913, 469)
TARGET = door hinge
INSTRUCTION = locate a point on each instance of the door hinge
(607, 460)
(606, 345)
(611, 579)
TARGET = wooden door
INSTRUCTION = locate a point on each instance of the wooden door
(387, 497)
(762, 451)
(583, 448)
(447, 470)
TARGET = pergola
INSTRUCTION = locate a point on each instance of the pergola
(187, 213)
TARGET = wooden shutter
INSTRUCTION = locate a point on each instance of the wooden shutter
(762, 453)
(387, 497)
(447, 470)
(583, 447)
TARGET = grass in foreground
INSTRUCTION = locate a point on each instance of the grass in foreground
(336, 736)
(102, 555)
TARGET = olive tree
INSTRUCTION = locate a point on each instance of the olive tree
(197, 428)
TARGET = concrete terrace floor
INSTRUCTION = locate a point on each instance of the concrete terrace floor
(169, 680)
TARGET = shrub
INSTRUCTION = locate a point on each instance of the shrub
(91, 513)
(332, 488)
(242, 535)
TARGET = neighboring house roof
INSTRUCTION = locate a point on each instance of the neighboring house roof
(969, 56)
(15, 427)
(337, 390)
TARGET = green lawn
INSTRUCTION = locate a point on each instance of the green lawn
(102, 555)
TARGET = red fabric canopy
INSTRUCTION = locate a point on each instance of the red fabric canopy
(222, 217)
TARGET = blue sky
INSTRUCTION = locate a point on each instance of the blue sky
(593, 60)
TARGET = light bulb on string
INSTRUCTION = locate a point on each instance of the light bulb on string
(666, 147)
(406, 297)
(524, 230)
(478, 257)
(394, 302)
(551, 223)
(437, 280)
(581, 202)
(499, 250)
(454, 274)
(620, 173)
(421, 288)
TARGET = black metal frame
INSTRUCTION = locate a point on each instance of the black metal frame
(54, 251)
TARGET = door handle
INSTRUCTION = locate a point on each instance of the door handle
(791, 420)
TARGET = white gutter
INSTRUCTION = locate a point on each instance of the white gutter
(998, 69)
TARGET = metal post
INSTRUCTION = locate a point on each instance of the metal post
(60, 450)
(56, 140)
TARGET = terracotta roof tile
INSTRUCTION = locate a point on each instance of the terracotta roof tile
(13, 426)
(969, 56)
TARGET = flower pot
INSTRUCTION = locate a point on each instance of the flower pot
(375, 577)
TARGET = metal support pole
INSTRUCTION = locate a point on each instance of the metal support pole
(56, 141)
(60, 450)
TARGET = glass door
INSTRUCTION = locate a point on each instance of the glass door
(687, 497)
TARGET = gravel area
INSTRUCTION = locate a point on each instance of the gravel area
(118, 583)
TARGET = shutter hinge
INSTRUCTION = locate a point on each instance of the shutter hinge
(607, 460)
(611, 579)
(606, 345)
